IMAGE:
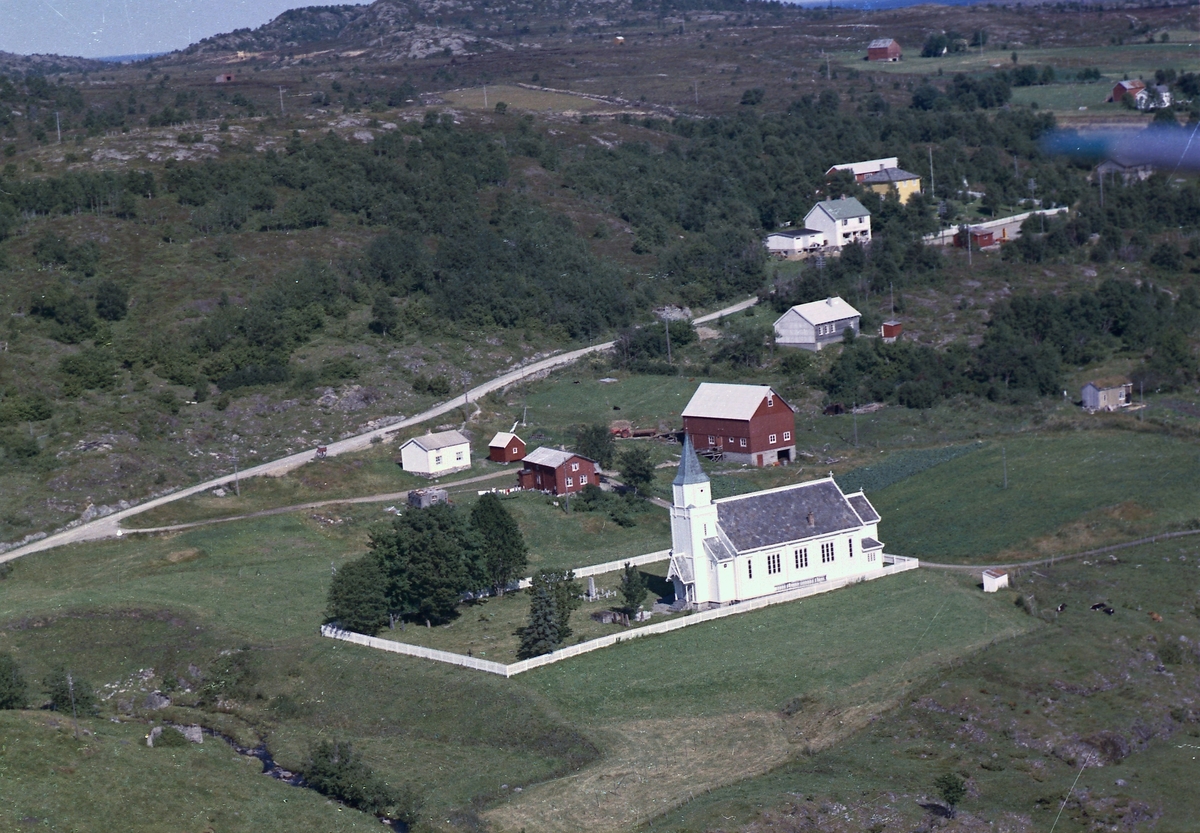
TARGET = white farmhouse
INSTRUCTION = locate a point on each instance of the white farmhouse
(843, 221)
(795, 242)
(813, 325)
(436, 454)
(747, 546)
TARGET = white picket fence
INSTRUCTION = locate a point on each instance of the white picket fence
(611, 566)
(892, 564)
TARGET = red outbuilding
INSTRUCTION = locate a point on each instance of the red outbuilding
(883, 49)
(506, 448)
(557, 472)
(980, 237)
(1124, 88)
(743, 423)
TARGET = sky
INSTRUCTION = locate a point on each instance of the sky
(104, 28)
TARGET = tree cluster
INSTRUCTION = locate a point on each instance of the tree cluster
(553, 597)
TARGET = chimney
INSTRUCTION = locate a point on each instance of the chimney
(829, 301)
(812, 521)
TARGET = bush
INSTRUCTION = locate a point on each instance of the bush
(171, 737)
(70, 693)
(334, 769)
(13, 691)
(356, 600)
(90, 369)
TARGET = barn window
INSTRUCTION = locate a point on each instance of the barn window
(827, 552)
(516, 450)
(711, 439)
(458, 455)
(801, 557)
(742, 442)
(870, 556)
(570, 482)
(787, 435)
(771, 439)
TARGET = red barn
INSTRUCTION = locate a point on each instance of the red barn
(1123, 88)
(744, 423)
(883, 49)
(557, 472)
(505, 448)
(980, 237)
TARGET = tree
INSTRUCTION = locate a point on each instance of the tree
(952, 790)
(595, 442)
(429, 558)
(69, 693)
(636, 467)
(12, 685)
(384, 316)
(633, 589)
(504, 550)
(565, 593)
(112, 301)
(540, 635)
(357, 601)
(335, 769)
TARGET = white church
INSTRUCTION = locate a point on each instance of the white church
(748, 546)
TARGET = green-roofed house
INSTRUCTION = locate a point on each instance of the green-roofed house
(844, 221)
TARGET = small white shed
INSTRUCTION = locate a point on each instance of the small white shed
(994, 580)
(795, 242)
(436, 454)
(812, 326)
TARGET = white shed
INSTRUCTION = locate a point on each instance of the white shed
(794, 242)
(994, 580)
(436, 454)
(813, 325)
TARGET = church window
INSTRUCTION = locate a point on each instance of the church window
(749, 568)
(773, 565)
(870, 556)
(801, 557)
(850, 547)
(827, 552)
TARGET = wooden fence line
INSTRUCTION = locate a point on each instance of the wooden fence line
(899, 564)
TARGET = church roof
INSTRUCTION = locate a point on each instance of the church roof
(716, 549)
(863, 507)
(689, 466)
(871, 544)
(779, 516)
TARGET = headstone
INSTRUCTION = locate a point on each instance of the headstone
(591, 588)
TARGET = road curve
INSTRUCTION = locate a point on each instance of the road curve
(107, 527)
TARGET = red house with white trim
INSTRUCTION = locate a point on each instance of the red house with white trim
(744, 423)
(506, 448)
(556, 471)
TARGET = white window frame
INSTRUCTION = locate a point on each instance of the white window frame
(772, 438)
(458, 455)
(583, 480)
(574, 467)
(742, 442)
(787, 435)
(801, 555)
(773, 564)
(570, 482)
(712, 440)
(749, 568)
(827, 555)
(437, 459)
(850, 546)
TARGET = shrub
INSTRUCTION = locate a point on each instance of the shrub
(12, 685)
(70, 693)
(334, 769)
(171, 737)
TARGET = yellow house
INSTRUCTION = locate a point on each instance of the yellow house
(897, 179)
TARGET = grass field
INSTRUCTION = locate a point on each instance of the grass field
(486, 98)
(1015, 720)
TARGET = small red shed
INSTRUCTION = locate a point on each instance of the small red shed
(980, 237)
(883, 49)
(506, 448)
(890, 331)
(556, 471)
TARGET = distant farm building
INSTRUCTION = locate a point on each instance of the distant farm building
(1124, 88)
(813, 325)
(506, 448)
(842, 221)
(883, 49)
(794, 243)
(1127, 171)
(556, 471)
(994, 580)
(1107, 395)
(424, 498)
(747, 546)
(436, 454)
(905, 184)
(862, 169)
(224, 78)
(889, 331)
(979, 236)
(741, 423)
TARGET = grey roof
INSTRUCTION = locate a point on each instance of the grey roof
(689, 466)
(779, 516)
(799, 232)
(844, 209)
(888, 175)
(502, 439)
(880, 43)
(871, 544)
(552, 457)
(717, 550)
(442, 439)
(863, 507)
(682, 567)
(716, 400)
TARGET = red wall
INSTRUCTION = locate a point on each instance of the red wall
(766, 421)
(506, 454)
(545, 478)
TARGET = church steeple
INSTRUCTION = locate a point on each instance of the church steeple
(689, 466)
(693, 520)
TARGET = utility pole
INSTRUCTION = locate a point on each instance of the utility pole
(854, 414)
(485, 96)
(237, 483)
(58, 126)
(667, 324)
(1004, 461)
(696, 92)
(281, 101)
(932, 181)
(74, 711)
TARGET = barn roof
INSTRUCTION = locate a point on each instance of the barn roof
(442, 439)
(880, 43)
(552, 457)
(503, 438)
(860, 168)
(780, 516)
(719, 401)
(824, 312)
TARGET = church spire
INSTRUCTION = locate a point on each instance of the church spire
(689, 466)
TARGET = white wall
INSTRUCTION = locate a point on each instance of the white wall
(419, 461)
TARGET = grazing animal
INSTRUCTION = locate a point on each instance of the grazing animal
(1062, 607)
(1099, 606)
(1155, 616)
(1109, 611)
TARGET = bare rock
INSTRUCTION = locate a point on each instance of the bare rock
(156, 700)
